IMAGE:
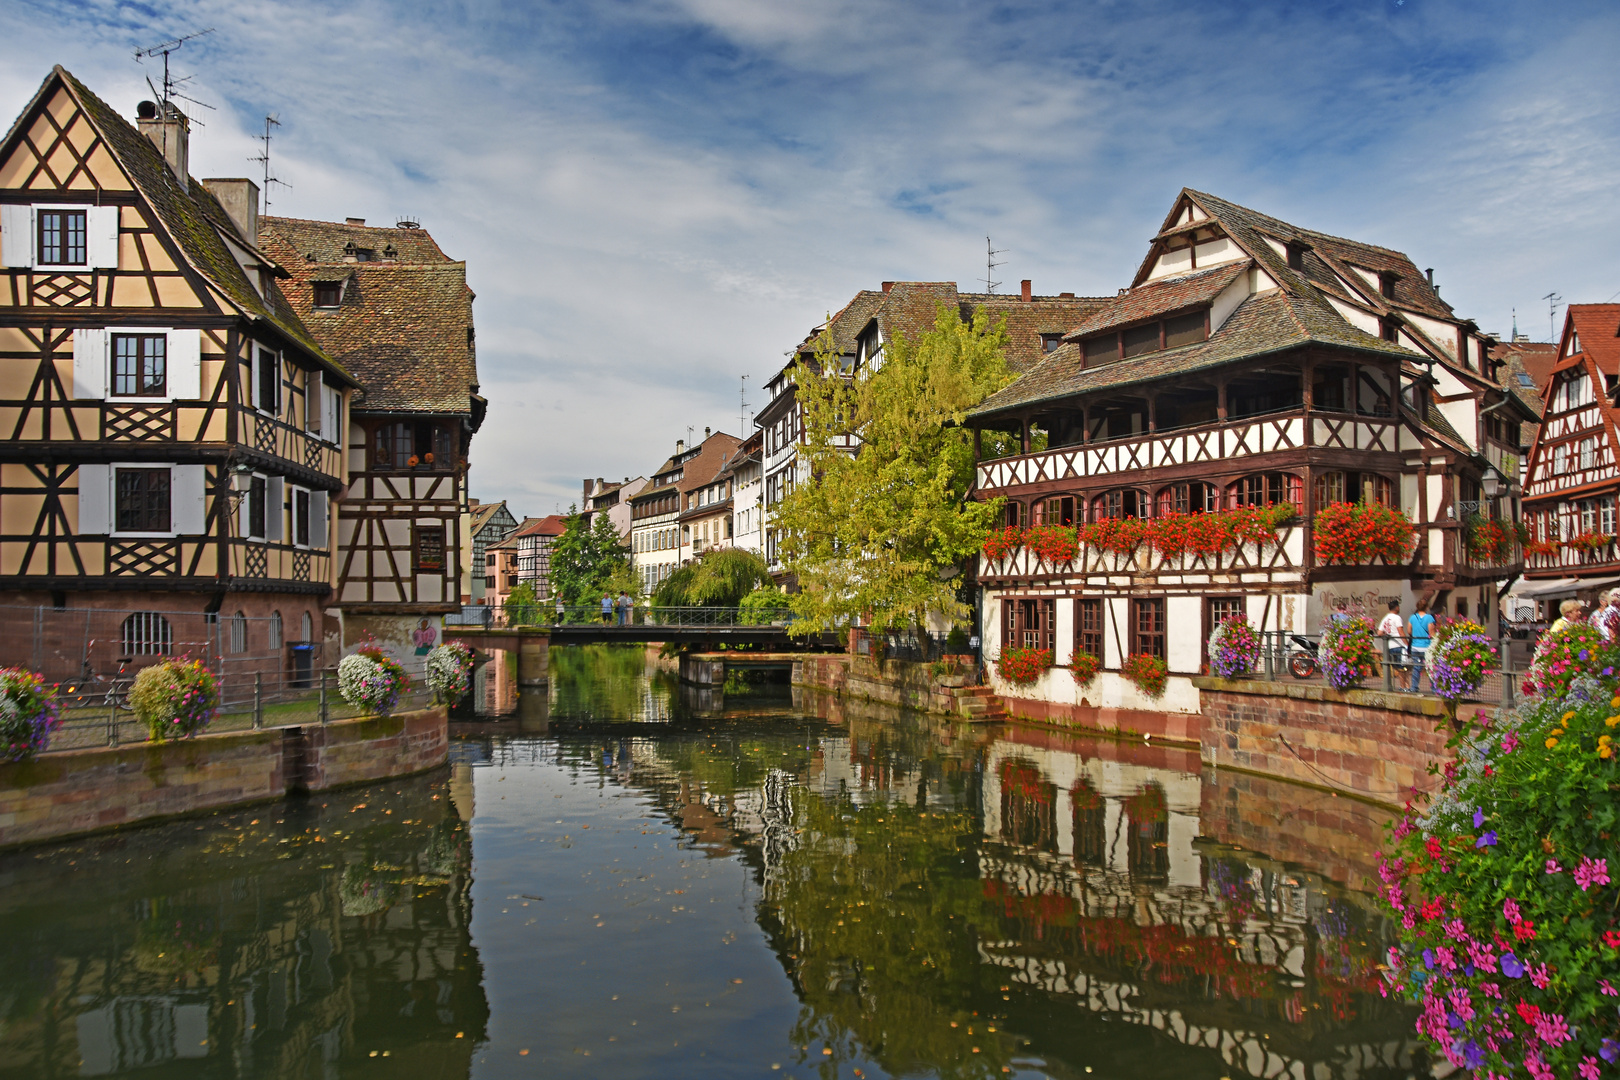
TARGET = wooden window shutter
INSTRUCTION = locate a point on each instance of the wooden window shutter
(185, 365)
(188, 494)
(17, 235)
(90, 364)
(101, 236)
(317, 519)
(275, 511)
(95, 500)
(332, 418)
(314, 401)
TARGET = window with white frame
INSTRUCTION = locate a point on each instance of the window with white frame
(59, 236)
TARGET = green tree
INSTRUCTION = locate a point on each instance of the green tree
(522, 606)
(878, 533)
(587, 561)
(716, 578)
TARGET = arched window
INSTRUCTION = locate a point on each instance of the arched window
(1119, 503)
(275, 629)
(1358, 487)
(238, 633)
(146, 633)
(1265, 489)
(1194, 497)
(307, 627)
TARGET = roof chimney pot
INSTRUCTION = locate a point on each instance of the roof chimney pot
(240, 199)
(887, 286)
(680, 447)
(1026, 290)
(1065, 296)
(171, 134)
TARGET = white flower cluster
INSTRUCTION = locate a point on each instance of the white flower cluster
(365, 684)
(449, 672)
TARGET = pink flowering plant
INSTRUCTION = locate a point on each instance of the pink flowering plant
(1459, 659)
(175, 699)
(28, 714)
(371, 680)
(1504, 885)
(1347, 653)
(1575, 649)
(1234, 648)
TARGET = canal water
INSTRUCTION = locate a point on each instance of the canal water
(629, 878)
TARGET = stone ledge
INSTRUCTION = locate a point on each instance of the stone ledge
(1415, 704)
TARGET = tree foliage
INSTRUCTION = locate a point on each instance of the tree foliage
(587, 561)
(717, 578)
(522, 607)
(877, 534)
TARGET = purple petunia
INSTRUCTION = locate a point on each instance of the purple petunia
(1511, 966)
(1487, 840)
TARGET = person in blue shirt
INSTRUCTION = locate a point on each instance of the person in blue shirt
(1420, 630)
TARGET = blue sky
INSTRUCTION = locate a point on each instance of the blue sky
(658, 198)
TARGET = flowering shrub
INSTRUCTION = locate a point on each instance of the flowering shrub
(448, 672)
(1489, 540)
(1503, 889)
(1361, 532)
(28, 714)
(1022, 667)
(1561, 656)
(1347, 653)
(1003, 542)
(1084, 668)
(1052, 543)
(1589, 542)
(1258, 524)
(1149, 673)
(1234, 648)
(174, 699)
(371, 680)
(1541, 548)
(1459, 656)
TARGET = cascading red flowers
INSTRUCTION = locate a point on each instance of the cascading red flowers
(1052, 543)
(1084, 668)
(1489, 540)
(1003, 542)
(1170, 535)
(1149, 673)
(1022, 667)
(1361, 532)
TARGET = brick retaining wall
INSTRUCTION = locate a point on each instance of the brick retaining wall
(1375, 744)
(81, 791)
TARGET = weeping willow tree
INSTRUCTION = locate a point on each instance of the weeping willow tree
(878, 534)
(714, 579)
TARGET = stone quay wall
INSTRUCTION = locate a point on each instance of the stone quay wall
(84, 791)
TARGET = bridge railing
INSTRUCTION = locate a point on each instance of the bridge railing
(643, 615)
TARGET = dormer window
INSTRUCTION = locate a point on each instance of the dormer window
(1386, 284)
(353, 252)
(1172, 333)
(1296, 256)
(328, 294)
(1388, 329)
(390, 252)
(1050, 342)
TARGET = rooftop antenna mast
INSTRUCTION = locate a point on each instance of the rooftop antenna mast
(742, 405)
(163, 49)
(264, 159)
(1515, 325)
(990, 265)
(1553, 300)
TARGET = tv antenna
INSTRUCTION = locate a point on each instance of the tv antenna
(170, 82)
(990, 265)
(264, 159)
(742, 406)
(1553, 300)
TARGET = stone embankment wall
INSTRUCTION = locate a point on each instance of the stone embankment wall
(83, 791)
(893, 682)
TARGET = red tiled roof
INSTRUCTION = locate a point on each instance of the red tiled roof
(1161, 297)
(1599, 328)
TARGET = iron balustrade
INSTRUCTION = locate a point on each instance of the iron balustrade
(1292, 657)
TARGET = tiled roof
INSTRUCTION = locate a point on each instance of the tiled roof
(1599, 328)
(325, 241)
(1535, 358)
(1268, 322)
(404, 329)
(1028, 322)
(550, 525)
(192, 216)
(1160, 297)
(707, 510)
(481, 514)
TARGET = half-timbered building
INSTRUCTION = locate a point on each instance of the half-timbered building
(397, 312)
(1249, 363)
(487, 523)
(1573, 481)
(171, 426)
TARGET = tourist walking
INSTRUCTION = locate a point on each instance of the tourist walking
(1393, 633)
(1420, 631)
(1607, 617)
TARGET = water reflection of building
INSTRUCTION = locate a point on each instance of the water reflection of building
(250, 946)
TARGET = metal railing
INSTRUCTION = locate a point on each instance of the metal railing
(89, 720)
(1292, 657)
(642, 615)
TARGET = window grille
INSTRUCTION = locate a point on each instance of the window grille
(238, 633)
(275, 629)
(146, 633)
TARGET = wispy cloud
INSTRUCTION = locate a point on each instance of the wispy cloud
(657, 197)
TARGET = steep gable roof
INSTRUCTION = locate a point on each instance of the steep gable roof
(1160, 297)
(191, 217)
(1598, 326)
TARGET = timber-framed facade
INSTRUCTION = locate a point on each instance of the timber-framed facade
(172, 428)
(1250, 363)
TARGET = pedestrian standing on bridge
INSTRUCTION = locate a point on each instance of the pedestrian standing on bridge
(622, 605)
(607, 607)
(560, 611)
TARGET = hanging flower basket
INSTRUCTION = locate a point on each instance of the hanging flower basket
(1459, 659)
(1023, 667)
(1003, 542)
(371, 680)
(175, 699)
(1588, 543)
(1353, 533)
(448, 671)
(1149, 673)
(1234, 648)
(1118, 536)
(28, 714)
(1346, 652)
(1489, 540)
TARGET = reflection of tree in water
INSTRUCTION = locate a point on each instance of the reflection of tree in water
(609, 682)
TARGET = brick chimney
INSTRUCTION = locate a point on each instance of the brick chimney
(240, 198)
(888, 285)
(354, 221)
(171, 134)
(1024, 288)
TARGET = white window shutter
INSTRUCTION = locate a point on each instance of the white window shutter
(250, 372)
(95, 500)
(188, 493)
(243, 482)
(101, 236)
(90, 363)
(318, 502)
(185, 365)
(332, 422)
(17, 235)
(275, 510)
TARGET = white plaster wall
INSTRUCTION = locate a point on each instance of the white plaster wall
(1172, 262)
(1437, 546)
(1064, 631)
(1215, 252)
(1183, 619)
(1108, 689)
(1409, 495)
(1116, 630)
(1229, 300)
(1361, 320)
(1444, 334)
(1436, 490)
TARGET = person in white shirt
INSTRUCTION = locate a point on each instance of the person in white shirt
(1393, 632)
